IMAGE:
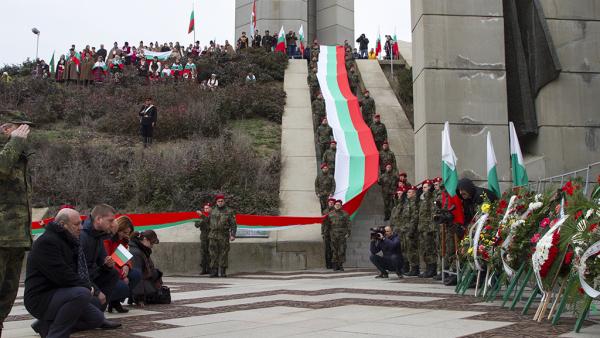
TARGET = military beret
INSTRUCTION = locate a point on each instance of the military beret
(13, 116)
(338, 201)
(377, 116)
(385, 142)
(402, 174)
(219, 197)
(412, 187)
(388, 163)
(208, 205)
(426, 181)
(437, 179)
(324, 165)
(331, 199)
(333, 142)
(324, 119)
(401, 189)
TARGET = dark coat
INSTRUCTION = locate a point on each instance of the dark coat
(477, 197)
(92, 242)
(149, 117)
(363, 42)
(51, 264)
(389, 246)
(151, 277)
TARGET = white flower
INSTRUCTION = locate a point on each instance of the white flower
(538, 197)
(535, 205)
(589, 213)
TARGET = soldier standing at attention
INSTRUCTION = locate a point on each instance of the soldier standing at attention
(388, 181)
(379, 131)
(387, 156)
(427, 231)
(148, 115)
(313, 83)
(222, 230)
(15, 203)
(324, 136)
(329, 157)
(204, 225)
(408, 231)
(354, 80)
(326, 232)
(339, 227)
(318, 110)
(367, 105)
(324, 186)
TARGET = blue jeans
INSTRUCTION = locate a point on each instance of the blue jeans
(364, 53)
(123, 290)
(291, 51)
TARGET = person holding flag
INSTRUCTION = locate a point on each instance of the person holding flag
(72, 67)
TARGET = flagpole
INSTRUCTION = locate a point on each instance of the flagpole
(193, 7)
(392, 57)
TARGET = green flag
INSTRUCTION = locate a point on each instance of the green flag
(492, 175)
(449, 173)
(52, 63)
(519, 174)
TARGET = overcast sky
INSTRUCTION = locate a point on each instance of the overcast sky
(82, 22)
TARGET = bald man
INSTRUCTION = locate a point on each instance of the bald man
(58, 291)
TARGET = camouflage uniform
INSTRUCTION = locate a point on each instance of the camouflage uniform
(427, 246)
(222, 225)
(388, 182)
(396, 215)
(379, 133)
(368, 109)
(324, 187)
(324, 135)
(15, 215)
(204, 226)
(313, 83)
(326, 234)
(329, 159)
(407, 230)
(387, 156)
(354, 81)
(318, 111)
(339, 228)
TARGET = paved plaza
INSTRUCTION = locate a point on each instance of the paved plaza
(316, 303)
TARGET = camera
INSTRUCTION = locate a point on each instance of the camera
(377, 232)
(442, 215)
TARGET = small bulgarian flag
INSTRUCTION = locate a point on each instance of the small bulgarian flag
(519, 174)
(121, 256)
(191, 26)
(449, 172)
(280, 41)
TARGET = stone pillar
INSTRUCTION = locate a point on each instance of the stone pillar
(271, 15)
(459, 76)
(568, 108)
(335, 21)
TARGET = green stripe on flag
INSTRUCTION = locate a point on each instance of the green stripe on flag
(518, 172)
(450, 178)
(121, 256)
(493, 182)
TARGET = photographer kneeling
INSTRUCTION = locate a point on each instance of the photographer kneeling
(388, 243)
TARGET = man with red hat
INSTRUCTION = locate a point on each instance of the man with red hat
(427, 231)
(379, 131)
(388, 181)
(326, 232)
(324, 186)
(386, 156)
(324, 136)
(338, 222)
(367, 105)
(329, 157)
(407, 230)
(204, 225)
(222, 230)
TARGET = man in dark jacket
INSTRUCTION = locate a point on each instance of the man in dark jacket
(363, 46)
(58, 291)
(148, 115)
(472, 197)
(389, 245)
(100, 266)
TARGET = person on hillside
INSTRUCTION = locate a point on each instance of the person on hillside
(256, 40)
(99, 70)
(176, 70)
(379, 131)
(126, 52)
(165, 74)
(86, 69)
(58, 290)
(204, 226)
(324, 186)
(140, 246)
(213, 83)
(324, 136)
(223, 229)
(128, 276)
(148, 117)
(266, 41)
(102, 52)
(329, 156)
(388, 181)
(6, 79)
(15, 202)
(59, 76)
(143, 72)
(115, 50)
(243, 42)
(72, 68)
(250, 78)
(340, 230)
(155, 68)
(190, 72)
(367, 105)
(363, 45)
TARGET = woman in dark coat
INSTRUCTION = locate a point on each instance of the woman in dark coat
(140, 247)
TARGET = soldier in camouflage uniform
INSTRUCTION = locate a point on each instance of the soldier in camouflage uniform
(329, 157)
(222, 230)
(15, 205)
(408, 231)
(437, 200)
(427, 242)
(326, 232)
(318, 110)
(367, 105)
(204, 226)
(324, 186)
(339, 228)
(354, 80)
(379, 131)
(386, 156)
(315, 49)
(324, 136)
(396, 216)
(388, 181)
(313, 83)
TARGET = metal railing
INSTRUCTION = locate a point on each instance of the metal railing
(588, 174)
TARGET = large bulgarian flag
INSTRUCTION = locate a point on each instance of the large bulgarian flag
(519, 174)
(449, 172)
(357, 159)
(492, 174)
(280, 47)
(162, 56)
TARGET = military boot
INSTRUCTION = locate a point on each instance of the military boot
(414, 271)
(222, 272)
(214, 273)
(340, 267)
(431, 271)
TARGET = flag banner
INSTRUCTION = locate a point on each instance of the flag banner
(492, 174)
(121, 255)
(280, 47)
(253, 20)
(162, 56)
(378, 43)
(301, 39)
(52, 63)
(357, 158)
(192, 24)
(519, 174)
(395, 49)
(449, 173)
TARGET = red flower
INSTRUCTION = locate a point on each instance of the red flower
(503, 204)
(568, 258)
(488, 227)
(581, 291)
(568, 188)
(535, 238)
(593, 227)
(578, 214)
(545, 222)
